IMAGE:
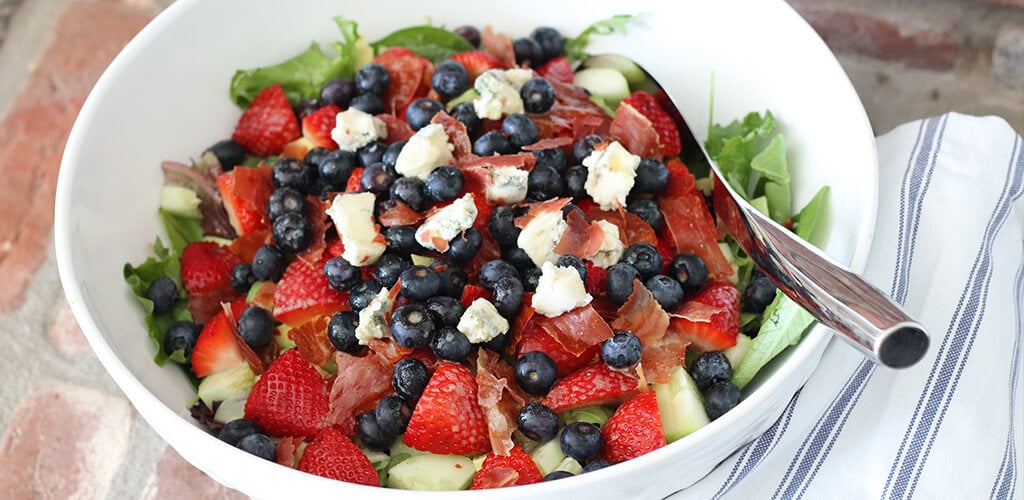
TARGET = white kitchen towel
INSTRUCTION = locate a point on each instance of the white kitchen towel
(949, 246)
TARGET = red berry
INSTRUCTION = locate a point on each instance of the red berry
(267, 124)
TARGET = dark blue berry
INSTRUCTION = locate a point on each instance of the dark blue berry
(710, 368)
(378, 178)
(502, 225)
(720, 398)
(508, 296)
(450, 344)
(759, 293)
(392, 414)
(644, 258)
(389, 267)
(469, 33)
(445, 183)
(520, 129)
(163, 292)
(594, 465)
(292, 232)
(368, 103)
(447, 310)
(372, 78)
(338, 91)
(420, 283)
(285, 200)
(371, 434)
(241, 277)
(550, 41)
(690, 271)
(498, 343)
(651, 176)
(391, 153)
(306, 107)
(494, 270)
(235, 430)
(667, 291)
(256, 327)
(581, 441)
(575, 263)
(453, 278)
(647, 210)
(544, 183)
(528, 52)
(450, 79)
(517, 257)
(341, 331)
(420, 112)
(465, 245)
(268, 264)
(536, 372)
(537, 422)
(259, 445)
(341, 275)
(538, 95)
(412, 325)
(314, 157)
(336, 168)
(181, 335)
(466, 113)
(410, 190)
(576, 181)
(402, 239)
(557, 474)
(371, 153)
(531, 277)
(554, 157)
(293, 173)
(492, 143)
(618, 282)
(362, 294)
(409, 377)
(622, 350)
(584, 147)
(229, 154)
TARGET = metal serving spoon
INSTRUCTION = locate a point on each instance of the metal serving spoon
(834, 295)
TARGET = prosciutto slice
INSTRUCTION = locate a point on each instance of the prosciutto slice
(642, 316)
(576, 330)
(496, 402)
(360, 380)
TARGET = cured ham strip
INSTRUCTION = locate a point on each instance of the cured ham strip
(311, 340)
(316, 210)
(576, 330)
(398, 129)
(496, 477)
(246, 245)
(519, 324)
(400, 215)
(634, 131)
(519, 160)
(499, 45)
(642, 316)
(696, 311)
(360, 380)
(549, 143)
(287, 448)
(499, 411)
(457, 136)
(658, 359)
(535, 209)
(581, 238)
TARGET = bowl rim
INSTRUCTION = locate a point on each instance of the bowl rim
(175, 429)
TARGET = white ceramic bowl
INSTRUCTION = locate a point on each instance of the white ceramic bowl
(165, 97)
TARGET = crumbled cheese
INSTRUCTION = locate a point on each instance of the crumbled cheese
(372, 318)
(559, 290)
(540, 237)
(499, 94)
(447, 222)
(426, 150)
(482, 322)
(355, 128)
(611, 248)
(508, 185)
(610, 175)
(352, 214)
(518, 77)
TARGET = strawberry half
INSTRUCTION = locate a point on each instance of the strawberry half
(206, 266)
(217, 348)
(473, 292)
(558, 69)
(317, 126)
(333, 455)
(710, 320)
(304, 294)
(536, 339)
(668, 134)
(634, 429)
(477, 62)
(447, 419)
(290, 399)
(513, 470)
(594, 384)
(267, 124)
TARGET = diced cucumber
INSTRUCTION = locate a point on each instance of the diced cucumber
(596, 415)
(607, 83)
(570, 464)
(379, 459)
(180, 200)
(548, 456)
(468, 95)
(232, 408)
(736, 353)
(364, 53)
(281, 337)
(226, 384)
(421, 260)
(432, 472)
(629, 70)
(680, 405)
(478, 462)
(224, 242)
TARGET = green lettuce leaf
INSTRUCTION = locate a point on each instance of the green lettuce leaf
(808, 220)
(181, 230)
(575, 48)
(436, 44)
(162, 263)
(783, 325)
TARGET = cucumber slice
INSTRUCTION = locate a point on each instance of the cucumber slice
(364, 53)
(607, 83)
(596, 415)
(226, 384)
(180, 200)
(623, 65)
(432, 472)
(570, 464)
(680, 405)
(548, 456)
(468, 95)
(232, 408)
(736, 353)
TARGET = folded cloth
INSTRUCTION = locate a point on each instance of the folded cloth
(949, 247)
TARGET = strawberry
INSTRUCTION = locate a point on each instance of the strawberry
(355, 181)
(290, 399)
(558, 69)
(594, 384)
(216, 348)
(477, 62)
(317, 126)
(634, 429)
(536, 339)
(304, 294)
(334, 456)
(668, 134)
(267, 124)
(473, 292)
(447, 419)
(206, 267)
(513, 470)
(595, 279)
(720, 300)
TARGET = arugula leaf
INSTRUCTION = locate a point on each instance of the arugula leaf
(436, 44)
(181, 230)
(782, 325)
(162, 263)
(303, 75)
(575, 47)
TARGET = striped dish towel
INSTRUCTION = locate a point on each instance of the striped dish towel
(949, 247)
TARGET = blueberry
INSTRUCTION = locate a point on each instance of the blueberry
(450, 79)
(450, 344)
(402, 240)
(293, 173)
(368, 103)
(378, 177)
(362, 294)
(710, 368)
(420, 111)
(445, 183)
(582, 441)
(268, 264)
(314, 157)
(336, 168)
(644, 258)
(538, 95)
(292, 232)
(492, 143)
(235, 430)
(759, 293)
(306, 107)
(371, 153)
(465, 245)
(550, 41)
(392, 414)
(594, 465)
(229, 154)
(544, 183)
(667, 291)
(389, 267)
(502, 225)
(371, 434)
(410, 190)
(338, 91)
(554, 157)
(412, 325)
(259, 445)
(466, 113)
(340, 274)
(557, 474)
(622, 350)
(517, 257)
(528, 52)
(494, 270)
(394, 149)
(720, 398)
(508, 296)
(520, 129)
(584, 147)
(618, 282)
(498, 343)
(372, 78)
(447, 310)
(648, 211)
(163, 292)
(536, 372)
(575, 263)
(341, 331)
(690, 271)
(256, 327)
(651, 176)
(285, 200)
(576, 181)
(469, 33)
(453, 278)
(181, 335)
(531, 277)
(537, 422)
(420, 283)
(409, 377)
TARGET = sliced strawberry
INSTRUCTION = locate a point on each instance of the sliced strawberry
(216, 348)
(513, 470)
(595, 279)
(355, 181)
(477, 62)
(710, 319)
(473, 292)
(668, 134)
(558, 69)
(536, 339)
(246, 191)
(317, 126)
(447, 419)
(333, 455)
(595, 384)
(304, 294)
(267, 124)
(206, 266)
(634, 429)
(290, 399)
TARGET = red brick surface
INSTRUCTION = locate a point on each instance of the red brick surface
(176, 479)
(1011, 3)
(65, 335)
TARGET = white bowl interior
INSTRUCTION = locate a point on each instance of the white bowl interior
(165, 97)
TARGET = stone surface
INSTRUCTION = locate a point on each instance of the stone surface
(1011, 3)
(176, 479)
(1008, 57)
(65, 335)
